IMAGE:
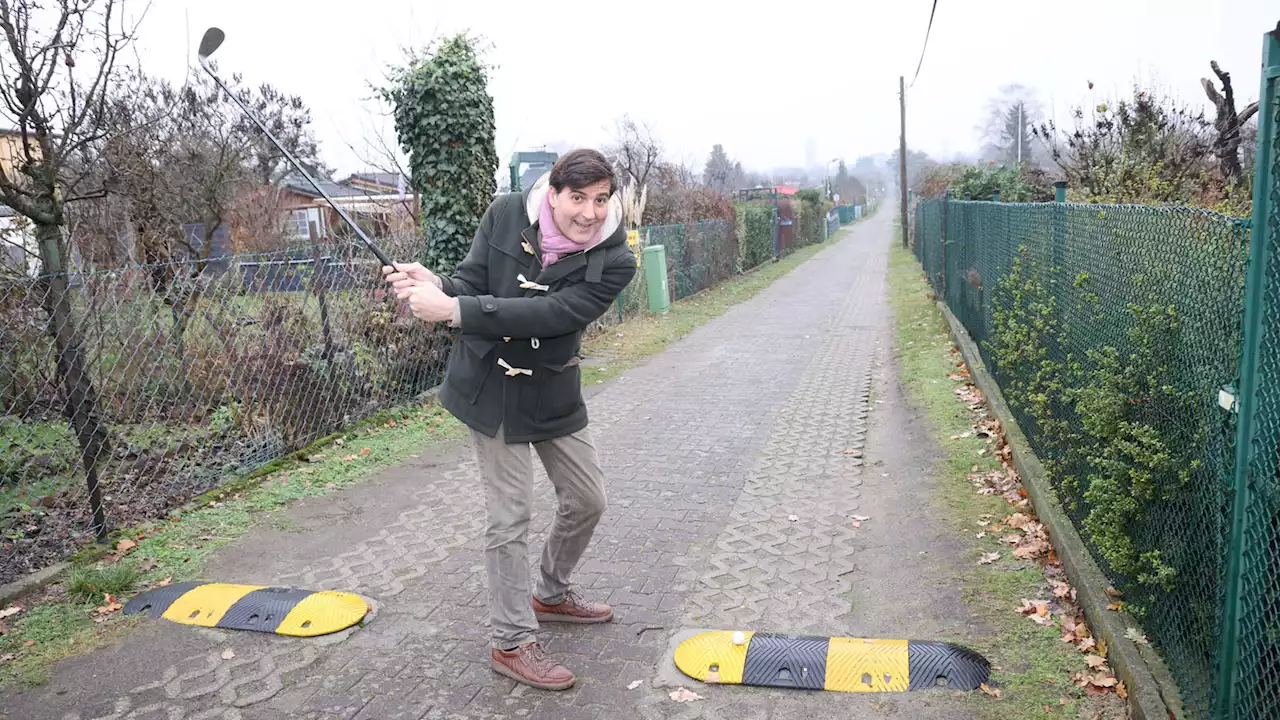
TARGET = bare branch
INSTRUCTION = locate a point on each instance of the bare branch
(1247, 113)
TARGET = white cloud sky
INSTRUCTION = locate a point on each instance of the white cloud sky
(763, 83)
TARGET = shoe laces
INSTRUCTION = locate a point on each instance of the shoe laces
(538, 658)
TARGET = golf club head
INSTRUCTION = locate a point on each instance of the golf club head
(210, 43)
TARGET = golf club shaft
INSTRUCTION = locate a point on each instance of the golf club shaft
(364, 238)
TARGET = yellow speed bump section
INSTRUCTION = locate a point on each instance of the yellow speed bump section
(320, 612)
(858, 665)
(840, 664)
(279, 610)
(714, 657)
(204, 605)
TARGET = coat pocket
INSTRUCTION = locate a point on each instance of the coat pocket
(560, 391)
(470, 366)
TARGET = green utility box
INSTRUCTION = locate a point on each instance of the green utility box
(655, 278)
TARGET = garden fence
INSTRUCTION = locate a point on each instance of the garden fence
(1139, 350)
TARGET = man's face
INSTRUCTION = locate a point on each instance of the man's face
(580, 212)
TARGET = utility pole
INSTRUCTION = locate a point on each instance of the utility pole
(1020, 127)
(902, 155)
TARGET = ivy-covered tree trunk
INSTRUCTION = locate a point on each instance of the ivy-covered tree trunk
(444, 121)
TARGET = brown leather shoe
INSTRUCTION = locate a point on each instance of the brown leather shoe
(530, 664)
(573, 609)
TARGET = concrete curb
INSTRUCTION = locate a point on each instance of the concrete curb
(1153, 694)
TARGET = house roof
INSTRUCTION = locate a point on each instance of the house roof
(380, 179)
(785, 190)
(299, 184)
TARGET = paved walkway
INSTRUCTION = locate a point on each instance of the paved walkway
(731, 486)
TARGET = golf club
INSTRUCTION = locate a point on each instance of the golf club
(209, 44)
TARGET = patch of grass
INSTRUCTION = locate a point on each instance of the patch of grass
(86, 584)
(1036, 668)
(61, 624)
(628, 343)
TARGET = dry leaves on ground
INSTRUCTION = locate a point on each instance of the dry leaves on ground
(990, 691)
(113, 605)
(682, 695)
(1031, 543)
(10, 611)
(228, 654)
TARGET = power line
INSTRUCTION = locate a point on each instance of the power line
(926, 43)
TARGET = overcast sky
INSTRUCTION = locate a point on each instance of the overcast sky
(769, 85)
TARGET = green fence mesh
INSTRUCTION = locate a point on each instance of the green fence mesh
(1251, 653)
(1111, 330)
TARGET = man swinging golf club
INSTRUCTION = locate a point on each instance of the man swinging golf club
(544, 265)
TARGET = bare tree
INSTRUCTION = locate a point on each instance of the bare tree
(59, 114)
(1228, 124)
(635, 152)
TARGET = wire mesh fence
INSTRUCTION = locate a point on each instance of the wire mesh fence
(1115, 334)
(125, 393)
(1249, 677)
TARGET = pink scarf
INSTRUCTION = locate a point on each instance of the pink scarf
(554, 244)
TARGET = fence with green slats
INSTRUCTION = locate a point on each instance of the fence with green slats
(1139, 350)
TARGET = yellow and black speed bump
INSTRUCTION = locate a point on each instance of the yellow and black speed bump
(829, 663)
(279, 610)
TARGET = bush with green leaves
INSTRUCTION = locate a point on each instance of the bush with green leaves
(444, 120)
(755, 233)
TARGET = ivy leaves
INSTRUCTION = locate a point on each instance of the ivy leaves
(444, 120)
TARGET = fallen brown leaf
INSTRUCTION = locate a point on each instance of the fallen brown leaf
(1113, 592)
(684, 695)
(125, 545)
(10, 611)
(1115, 606)
(1104, 680)
(30, 643)
(1095, 661)
(990, 691)
(1087, 644)
(1136, 635)
(1017, 520)
(365, 452)
(988, 558)
(1121, 691)
(165, 582)
(1031, 548)
(148, 565)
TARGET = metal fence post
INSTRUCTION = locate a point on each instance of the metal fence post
(1263, 234)
(946, 201)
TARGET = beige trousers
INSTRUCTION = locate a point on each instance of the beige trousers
(507, 474)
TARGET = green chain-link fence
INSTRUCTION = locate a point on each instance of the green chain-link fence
(194, 377)
(1120, 338)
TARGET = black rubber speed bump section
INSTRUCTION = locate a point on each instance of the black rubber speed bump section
(791, 661)
(838, 664)
(283, 611)
(932, 663)
(156, 602)
(262, 610)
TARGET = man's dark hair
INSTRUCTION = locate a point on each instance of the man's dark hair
(580, 168)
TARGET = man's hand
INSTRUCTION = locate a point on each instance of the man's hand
(407, 275)
(428, 302)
